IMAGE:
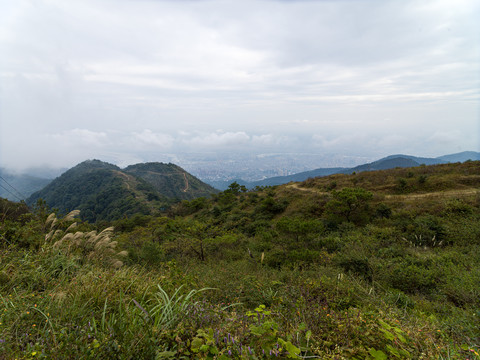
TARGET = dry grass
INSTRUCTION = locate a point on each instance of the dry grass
(91, 245)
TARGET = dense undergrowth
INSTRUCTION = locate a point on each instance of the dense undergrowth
(332, 268)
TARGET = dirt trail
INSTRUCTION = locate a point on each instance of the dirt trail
(297, 187)
(125, 176)
(438, 194)
(407, 197)
(186, 182)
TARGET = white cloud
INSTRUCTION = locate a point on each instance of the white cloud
(80, 137)
(149, 138)
(220, 139)
(270, 140)
(167, 74)
(446, 138)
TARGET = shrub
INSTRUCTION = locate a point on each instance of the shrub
(350, 205)
(383, 211)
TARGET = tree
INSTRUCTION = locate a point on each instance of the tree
(349, 204)
(235, 188)
(298, 228)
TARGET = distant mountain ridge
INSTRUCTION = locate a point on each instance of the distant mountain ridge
(461, 157)
(103, 191)
(26, 184)
(16, 187)
(389, 162)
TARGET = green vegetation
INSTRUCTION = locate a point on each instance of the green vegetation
(347, 266)
(102, 191)
(171, 180)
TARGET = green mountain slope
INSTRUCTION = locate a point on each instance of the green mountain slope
(100, 190)
(171, 180)
(103, 191)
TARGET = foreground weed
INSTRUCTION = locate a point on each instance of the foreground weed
(169, 310)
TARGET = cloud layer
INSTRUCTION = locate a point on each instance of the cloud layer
(94, 78)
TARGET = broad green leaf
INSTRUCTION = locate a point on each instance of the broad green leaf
(377, 354)
(196, 344)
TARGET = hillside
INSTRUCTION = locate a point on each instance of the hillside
(100, 190)
(103, 191)
(391, 186)
(171, 180)
(373, 265)
(389, 162)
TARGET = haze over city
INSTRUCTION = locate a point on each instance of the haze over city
(134, 81)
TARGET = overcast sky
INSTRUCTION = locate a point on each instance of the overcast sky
(126, 80)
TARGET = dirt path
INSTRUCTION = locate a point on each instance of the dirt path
(186, 182)
(297, 187)
(438, 194)
(125, 176)
(407, 197)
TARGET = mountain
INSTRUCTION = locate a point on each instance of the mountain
(171, 180)
(461, 157)
(389, 162)
(417, 159)
(102, 191)
(17, 187)
(385, 164)
(224, 184)
(279, 180)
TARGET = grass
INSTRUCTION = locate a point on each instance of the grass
(99, 313)
(378, 289)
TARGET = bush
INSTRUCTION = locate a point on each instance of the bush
(383, 211)
(349, 205)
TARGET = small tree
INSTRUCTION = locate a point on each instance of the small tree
(297, 228)
(349, 204)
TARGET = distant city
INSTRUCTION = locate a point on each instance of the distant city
(252, 167)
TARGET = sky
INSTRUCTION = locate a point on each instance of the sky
(129, 81)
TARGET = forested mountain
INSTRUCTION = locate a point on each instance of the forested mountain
(171, 180)
(103, 191)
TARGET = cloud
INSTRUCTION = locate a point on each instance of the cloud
(390, 142)
(167, 74)
(339, 142)
(446, 138)
(80, 137)
(220, 139)
(271, 140)
(149, 138)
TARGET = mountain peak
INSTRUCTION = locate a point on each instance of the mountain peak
(103, 191)
(95, 164)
